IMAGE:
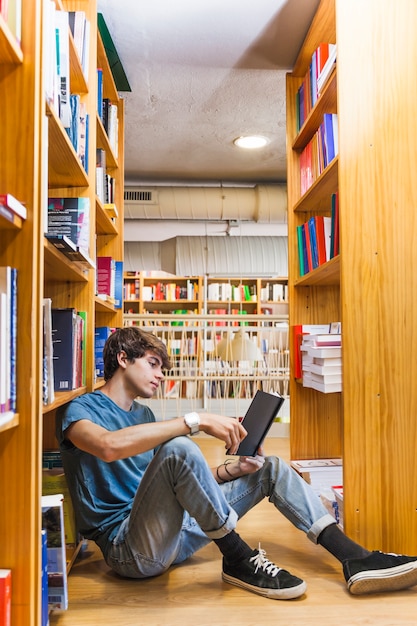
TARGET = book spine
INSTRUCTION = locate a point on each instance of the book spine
(5, 597)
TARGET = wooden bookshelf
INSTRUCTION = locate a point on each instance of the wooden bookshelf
(261, 292)
(370, 288)
(45, 153)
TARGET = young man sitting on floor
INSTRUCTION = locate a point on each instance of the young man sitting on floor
(143, 491)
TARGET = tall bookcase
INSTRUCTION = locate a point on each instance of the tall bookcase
(40, 161)
(371, 287)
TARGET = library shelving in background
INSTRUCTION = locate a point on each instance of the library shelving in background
(40, 162)
(370, 287)
(155, 292)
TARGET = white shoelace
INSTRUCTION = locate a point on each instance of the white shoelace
(262, 562)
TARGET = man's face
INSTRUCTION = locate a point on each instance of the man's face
(144, 374)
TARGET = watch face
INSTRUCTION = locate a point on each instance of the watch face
(193, 422)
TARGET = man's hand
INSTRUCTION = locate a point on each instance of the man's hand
(250, 464)
(227, 429)
(229, 470)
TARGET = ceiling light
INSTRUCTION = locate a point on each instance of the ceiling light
(251, 141)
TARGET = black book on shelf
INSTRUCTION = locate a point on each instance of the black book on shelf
(63, 343)
(71, 251)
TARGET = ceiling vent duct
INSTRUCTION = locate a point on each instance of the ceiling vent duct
(262, 203)
(213, 256)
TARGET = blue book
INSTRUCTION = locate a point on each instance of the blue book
(313, 242)
(101, 333)
(13, 337)
(100, 93)
(328, 137)
(118, 285)
(300, 249)
(44, 579)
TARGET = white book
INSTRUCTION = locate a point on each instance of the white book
(323, 352)
(327, 378)
(62, 69)
(5, 337)
(326, 387)
(326, 369)
(327, 221)
(325, 73)
(48, 362)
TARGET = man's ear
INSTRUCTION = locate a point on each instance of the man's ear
(122, 359)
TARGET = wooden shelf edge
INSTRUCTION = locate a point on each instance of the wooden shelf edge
(59, 267)
(326, 274)
(62, 397)
(10, 50)
(105, 226)
(8, 420)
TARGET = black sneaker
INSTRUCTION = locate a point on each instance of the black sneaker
(380, 572)
(257, 574)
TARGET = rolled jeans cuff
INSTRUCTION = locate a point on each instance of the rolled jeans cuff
(227, 527)
(318, 527)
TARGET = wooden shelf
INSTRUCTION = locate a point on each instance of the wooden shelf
(64, 166)
(326, 274)
(10, 51)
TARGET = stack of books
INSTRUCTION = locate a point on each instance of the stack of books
(321, 474)
(322, 362)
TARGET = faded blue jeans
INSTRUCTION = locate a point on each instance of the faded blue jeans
(179, 508)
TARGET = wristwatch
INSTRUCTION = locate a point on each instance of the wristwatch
(193, 422)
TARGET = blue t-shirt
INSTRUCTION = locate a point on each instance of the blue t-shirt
(102, 493)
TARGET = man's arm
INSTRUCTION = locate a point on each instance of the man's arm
(125, 442)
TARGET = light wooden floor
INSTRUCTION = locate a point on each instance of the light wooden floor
(194, 593)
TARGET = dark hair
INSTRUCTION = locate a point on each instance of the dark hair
(135, 342)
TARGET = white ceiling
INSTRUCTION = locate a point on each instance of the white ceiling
(202, 73)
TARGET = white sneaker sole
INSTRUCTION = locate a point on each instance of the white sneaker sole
(379, 580)
(274, 594)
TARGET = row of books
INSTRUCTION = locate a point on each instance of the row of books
(131, 290)
(78, 129)
(105, 183)
(168, 291)
(68, 230)
(227, 292)
(108, 113)
(54, 561)
(64, 351)
(109, 280)
(80, 30)
(274, 292)
(319, 151)
(8, 342)
(318, 239)
(321, 64)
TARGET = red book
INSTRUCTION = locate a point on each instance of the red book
(104, 275)
(9, 201)
(297, 332)
(322, 54)
(320, 239)
(5, 596)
